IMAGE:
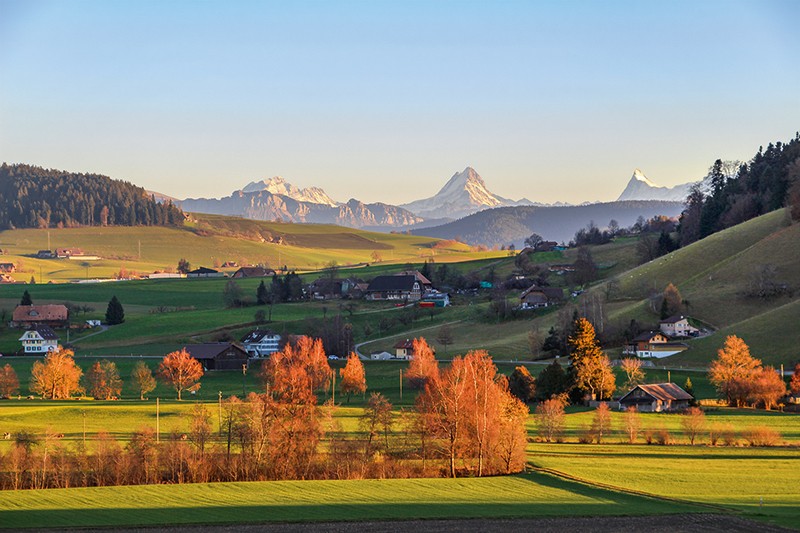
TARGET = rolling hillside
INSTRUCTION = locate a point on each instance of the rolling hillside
(210, 240)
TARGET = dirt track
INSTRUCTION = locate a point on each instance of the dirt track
(693, 523)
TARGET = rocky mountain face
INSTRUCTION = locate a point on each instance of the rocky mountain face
(641, 188)
(265, 205)
(280, 186)
(465, 193)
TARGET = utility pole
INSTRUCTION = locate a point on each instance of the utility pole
(158, 421)
(219, 416)
(401, 384)
(140, 249)
(83, 412)
(244, 373)
(333, 388)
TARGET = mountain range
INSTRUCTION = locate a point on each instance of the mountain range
(463, 196)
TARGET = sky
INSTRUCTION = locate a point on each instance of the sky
(384, 101)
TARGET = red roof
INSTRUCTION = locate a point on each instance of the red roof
(40, 313)
(663, 392)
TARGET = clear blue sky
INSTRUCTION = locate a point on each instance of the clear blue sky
(384, 101)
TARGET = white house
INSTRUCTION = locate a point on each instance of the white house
(39, 340)
(261, 343)
(677, 326)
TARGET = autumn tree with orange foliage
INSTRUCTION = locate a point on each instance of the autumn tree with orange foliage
(181, 371)
(733, 371)
(9, 383)
(103, 380)
(353, 379)
(794, 384)
(767, 388)
(465, 408)
(423, 366)
(58, 377)
(591, 368)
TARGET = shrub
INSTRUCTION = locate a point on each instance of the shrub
(761, 436)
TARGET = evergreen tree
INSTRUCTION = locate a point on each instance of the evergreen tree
(262, 294)
(552, 381)
(115, 314)
(26, 299)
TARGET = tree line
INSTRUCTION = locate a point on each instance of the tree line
(46, 198)
(465, 422)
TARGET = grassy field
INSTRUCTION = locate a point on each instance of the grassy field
(212, 240)
(531, 495)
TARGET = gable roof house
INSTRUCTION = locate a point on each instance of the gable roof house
(261, 343)
(653, 344)
(218, 355)
(53, 315)
(204, 272)
(325, 289)
(425, 282)
(41, 339)
(677, 326)
(535, 297)
(395, 288)
(404, 349)
(656, 398)
(253, 272)
(7, 267)
(66, 253)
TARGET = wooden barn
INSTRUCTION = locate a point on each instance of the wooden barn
(656, 398)
(218, 355)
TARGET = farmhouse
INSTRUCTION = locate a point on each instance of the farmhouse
(204, 272)
(8, 267)
(677, 326)
(261, 343)
(438, 299)
(535, 297)
(66, 253)
(425, 282)
(5, 278)
(253, 272)
(53, 315)
(39, 340)
(394, 288)
(656, 398)
(561, 269)
(325, 289)
(218, 355)
(653, 344)
(404, 349)
(45, 254)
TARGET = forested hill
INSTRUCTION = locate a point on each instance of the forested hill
(34, 197)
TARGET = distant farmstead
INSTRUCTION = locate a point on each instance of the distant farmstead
(7, 267)
(536, 297)
(394, 288)
(677, 326)
(253, 272)
(656, 398)
(261, 343)
(39, 340)
(204, 272)
(53, 315)
(218, 355)
(404, 349)
(653, 344)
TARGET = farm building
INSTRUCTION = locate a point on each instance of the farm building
(404, 349)
(438, 299)
(66, 253)
(656, 398)
(7, 267)
(394, 288)
(204, 272)
(536, 297)
(253, 272)
(53, 315)
(425, 282)
(218, 355)
(45, 254)
(261, 343)
(41, 339)
(653, 344)
(5, 278)
(677, 326)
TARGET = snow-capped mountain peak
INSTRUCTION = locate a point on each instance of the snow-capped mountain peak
(641, 188)
(463, 194)
(280, 186)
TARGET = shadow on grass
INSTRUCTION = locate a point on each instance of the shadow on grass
(566, 498)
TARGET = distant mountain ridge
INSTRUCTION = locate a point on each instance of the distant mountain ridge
(464, 193)
(511, 225)
(278, 185)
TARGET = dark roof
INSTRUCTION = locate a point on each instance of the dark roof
(257, 335)
(392, 283)
(210, 350)
(46, 333)
(407, 344)
(673, 319)
(254, 272)
(552, 293)
(417, 274)
(662, 391)
(647, 335)
(203, 270)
